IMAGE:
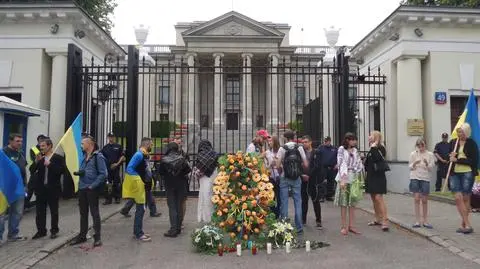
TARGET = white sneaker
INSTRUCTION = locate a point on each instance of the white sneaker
(18, 237)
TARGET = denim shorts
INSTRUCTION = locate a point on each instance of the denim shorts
(462, 182)
(419, 186)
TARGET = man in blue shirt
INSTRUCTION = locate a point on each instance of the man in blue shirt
(139, 166)
(93, 173)
(329, 163)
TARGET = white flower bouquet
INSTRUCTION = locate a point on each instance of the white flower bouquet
(207, 239)
(280, 233)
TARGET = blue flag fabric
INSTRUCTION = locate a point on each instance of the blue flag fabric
(11, 182)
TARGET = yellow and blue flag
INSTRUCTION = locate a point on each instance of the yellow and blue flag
(11, 182)
(71, 143)
(470, 116)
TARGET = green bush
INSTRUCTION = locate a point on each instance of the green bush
(296, 126)
(162, 128)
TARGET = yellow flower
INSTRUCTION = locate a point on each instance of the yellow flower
(219, 180)
(261, 186)
(265, 178)
(257, 178)
(215, 199)
(216, 189)
(269, 186)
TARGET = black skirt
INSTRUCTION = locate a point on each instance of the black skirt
(376, 183)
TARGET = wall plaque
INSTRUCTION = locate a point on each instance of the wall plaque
(415, 127)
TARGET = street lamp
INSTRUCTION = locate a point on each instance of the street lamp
(104, 93)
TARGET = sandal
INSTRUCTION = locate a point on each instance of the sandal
(385, 228)
(428, 226)
(374, 223)
(354, 231)
(344, 231)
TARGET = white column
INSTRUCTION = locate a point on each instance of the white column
(247, 90)
(178, 92)
(218, 99)
(409, 103)
(287, 95)
(272, 93)
(58, 96)
(191, 88)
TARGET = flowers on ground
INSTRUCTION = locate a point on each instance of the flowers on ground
(280, 233)
(242, 197)
(207, 238)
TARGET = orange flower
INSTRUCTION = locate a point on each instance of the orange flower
(225, 210)
(237, 202)
(239, 228)
(230, 221)
(237, 174)
(219, 213)
(256, 230)
(248, 213)
(245, 237)
(231, 161)
(244, 187)
(254, 203)
(244, 206)
(222, 168)
(222, 224)
(232, 235)
(231, 167)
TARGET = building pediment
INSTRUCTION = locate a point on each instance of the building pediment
(232, 25)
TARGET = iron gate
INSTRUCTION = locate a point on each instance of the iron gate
(224, 99)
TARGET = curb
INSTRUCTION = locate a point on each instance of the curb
(47, 250)
(432, 236)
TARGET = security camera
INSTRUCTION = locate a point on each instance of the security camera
(54, 28)
(79, 34)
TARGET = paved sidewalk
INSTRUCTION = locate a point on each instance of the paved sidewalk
(27, 253)
(443, 216)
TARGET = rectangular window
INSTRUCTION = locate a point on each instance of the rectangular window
(259, 121)
(204, 121)
(232, 95)
(164, 117)
(163, 95)
(300, 96)
(232, 121)
(14, 96)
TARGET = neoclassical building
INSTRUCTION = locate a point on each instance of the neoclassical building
(229, 76)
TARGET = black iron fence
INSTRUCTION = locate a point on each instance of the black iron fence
(224, 99)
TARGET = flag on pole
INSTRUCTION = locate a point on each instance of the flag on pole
(71, 144)
(470, 116)
(11, 182)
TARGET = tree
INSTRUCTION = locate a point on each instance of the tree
(100, 11)
(452, 3)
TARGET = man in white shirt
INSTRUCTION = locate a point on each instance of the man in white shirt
(292, 157)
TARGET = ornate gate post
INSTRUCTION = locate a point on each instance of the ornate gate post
(344, 118)
(132, 101)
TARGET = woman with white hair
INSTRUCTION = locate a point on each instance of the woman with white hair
(464, 156)
(421, 165)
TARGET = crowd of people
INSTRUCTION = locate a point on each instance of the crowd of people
(296, 169)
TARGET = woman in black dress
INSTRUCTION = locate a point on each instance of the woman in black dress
(376, 181)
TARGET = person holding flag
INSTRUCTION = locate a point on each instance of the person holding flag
(464, 161)
(12, 188)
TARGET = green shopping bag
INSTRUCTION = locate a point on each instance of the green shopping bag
(356, 189)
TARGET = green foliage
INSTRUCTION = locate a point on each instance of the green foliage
(162, 128)
(452, 3)
(296, 126)
(207, 239)
(100, 11)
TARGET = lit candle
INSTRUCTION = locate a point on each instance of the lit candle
(307, 246)
(239, 250)
(220, 250)
(269, 248)
(287, 247)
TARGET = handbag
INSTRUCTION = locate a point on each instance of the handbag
(381, 166)
(356, 189)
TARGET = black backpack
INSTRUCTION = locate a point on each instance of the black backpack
(292, 162)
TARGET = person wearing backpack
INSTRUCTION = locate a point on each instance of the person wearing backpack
(174, 168)
(293, 160)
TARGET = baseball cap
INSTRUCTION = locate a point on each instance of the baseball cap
(263, 133)
(444, 135)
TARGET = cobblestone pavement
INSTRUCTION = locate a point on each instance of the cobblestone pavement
(26, 253)
(445, 219)
(374, 249)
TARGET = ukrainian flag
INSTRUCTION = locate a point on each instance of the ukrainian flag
(134, 188)
(11, 182)
(470, 116)
(71, 143)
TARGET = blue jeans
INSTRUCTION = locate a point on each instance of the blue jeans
(138, 221)
(462, 182)
(15, 214)
(296, 186)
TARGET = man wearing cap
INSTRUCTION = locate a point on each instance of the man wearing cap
(329, 163)
(258, 143)
(442, 151)
(114, 156)
(34, 152)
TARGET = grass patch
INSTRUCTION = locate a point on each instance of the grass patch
(447, 195)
